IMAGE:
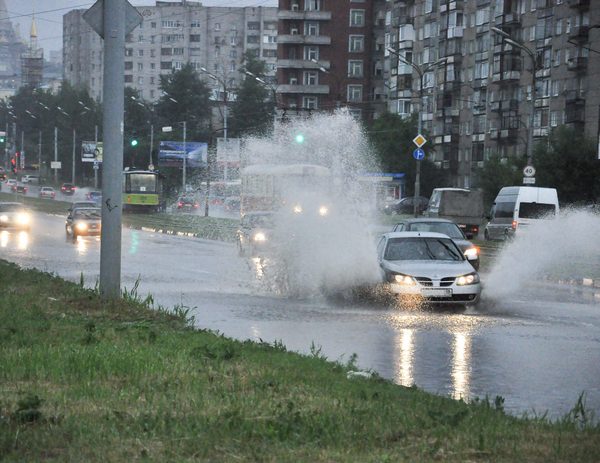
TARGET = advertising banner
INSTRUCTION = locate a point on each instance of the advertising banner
(171, 154)
(91, 151)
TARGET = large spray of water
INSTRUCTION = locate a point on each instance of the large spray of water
(560, 249)
(313, 253)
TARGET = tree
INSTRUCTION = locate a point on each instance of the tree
(497, 173)
(252, 111)
(569, 164)
(137, 127)
(392, 136)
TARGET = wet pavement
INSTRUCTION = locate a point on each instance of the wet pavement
(538, 349)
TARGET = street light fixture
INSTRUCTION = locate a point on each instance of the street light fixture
(421, 71)
(272, 88)
(512, 42)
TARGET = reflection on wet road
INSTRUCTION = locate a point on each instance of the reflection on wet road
(539, 349)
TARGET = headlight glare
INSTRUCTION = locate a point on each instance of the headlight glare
(260, 236)
(405, 280)
(23, 219)
(3, 218)
(469, 279)
(81, 226)
(323, 210)
(297, 209)
(472, 253)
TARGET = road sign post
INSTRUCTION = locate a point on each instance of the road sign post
(419, 154)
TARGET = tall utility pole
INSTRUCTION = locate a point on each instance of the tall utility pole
(184, 154)
(112, 162)
(73, 166)
(40, 154)
(6, 148)
(151, 144)
(96, 167)
(55, 153)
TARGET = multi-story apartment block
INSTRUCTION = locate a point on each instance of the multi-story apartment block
(327, 51)
(171, 35)
(477, 87)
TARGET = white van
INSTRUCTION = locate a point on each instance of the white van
(516, 207)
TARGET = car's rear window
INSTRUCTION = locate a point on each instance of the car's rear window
(450, 229)
(536, 210)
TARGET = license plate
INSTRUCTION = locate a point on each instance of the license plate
(436, 292)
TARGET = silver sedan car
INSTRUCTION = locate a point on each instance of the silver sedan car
(428, 267)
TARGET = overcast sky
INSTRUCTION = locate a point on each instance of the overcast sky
(49, 15)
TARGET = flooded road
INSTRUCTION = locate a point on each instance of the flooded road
(539, 349)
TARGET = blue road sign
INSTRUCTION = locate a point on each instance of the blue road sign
(419, 154)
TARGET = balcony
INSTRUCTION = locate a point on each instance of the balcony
(404, 44)
(495, 106)
(507, 77)
(578, 63)
(304, 39)
(575, 116)
(302, 64)
(509, 105)
(454, 32)
(580, 33)
(581, 4)
(494, 134)
(308, 89)
(511, 19)
(304, 15)
(509, 135)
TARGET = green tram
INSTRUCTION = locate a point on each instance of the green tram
(142, 191)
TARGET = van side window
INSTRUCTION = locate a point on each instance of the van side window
(504, 210)
(536, 210)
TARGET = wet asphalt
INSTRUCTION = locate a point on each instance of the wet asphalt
(538, 349)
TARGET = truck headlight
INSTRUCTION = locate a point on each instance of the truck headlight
(469, 279)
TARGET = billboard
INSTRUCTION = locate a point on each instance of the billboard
(171, 154)
(91, 151)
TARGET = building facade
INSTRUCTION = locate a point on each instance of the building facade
(171, 35)
(477, 87)
(11, 48)
(330, 54)
(32, 61)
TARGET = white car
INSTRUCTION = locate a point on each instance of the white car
(47, 192)
(11, 182)
(427, 266)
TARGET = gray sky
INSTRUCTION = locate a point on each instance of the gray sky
(49, 23)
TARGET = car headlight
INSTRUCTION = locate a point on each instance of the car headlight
(469, 279)
(297, 209)
(472, 253)
(3, 218)
(81, 226)
(405, 280)
(323, 211)
(260, 236)
(23, 219)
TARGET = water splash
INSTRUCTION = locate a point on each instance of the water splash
(565, 248)
(316, 255)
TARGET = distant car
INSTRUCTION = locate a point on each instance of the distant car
(427, 267)
(406, 205)
(448, 228)
(68, 189)
(30, 179)
(14, 216)
(255, 232)
(187, 203)
(95, 196)
(10, 182)
(20, 188)
(47, 192)
(83, 222)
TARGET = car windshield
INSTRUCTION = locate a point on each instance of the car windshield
(10, 207)
(446, 228)
(87, 214)
(422, 249)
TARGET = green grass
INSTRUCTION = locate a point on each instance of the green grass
(83, 380)
(199, 226)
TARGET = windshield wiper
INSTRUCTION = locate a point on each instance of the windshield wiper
(450, 250)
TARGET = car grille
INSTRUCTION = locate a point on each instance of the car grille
(428, 282)
(447, 281)
(424, 281)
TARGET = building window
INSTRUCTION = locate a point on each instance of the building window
(152, 80)
(140, 66)
(171, 24)
(129, 52)
(312, 5)
(232, 66)
(194, 37)
(140, 53)
(403, 107)
(217, 26)
(269, 39)
(311, 28)
(310, 78)
(252, 39)
(311, 53)
(356, 43)
(357, 18)
(128, 79)
(233, 40)
(128, 65)
(195, 23)
(152, 94)
(310, 102)
(253, 26)
(177, 64)
(269, 53)
(153, 25)
(355, 92)
(166, 51)
(152, 65)
(233, 53)
(355, 68)
(140, 80)
(166, 65)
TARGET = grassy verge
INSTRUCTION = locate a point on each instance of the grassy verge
(199, 226)
(87, 381)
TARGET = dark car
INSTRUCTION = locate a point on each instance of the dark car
(255, 232)
(20, 188)
(14, 216)
(84, 221)
(68, 189)
(407, 205)
(446, 227)
(187, 203)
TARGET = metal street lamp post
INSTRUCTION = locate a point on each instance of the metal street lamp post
(421, 71)
(337, 79)
(508, 39)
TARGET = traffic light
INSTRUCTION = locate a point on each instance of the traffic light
(134, 142)
(2, 139)
(13, 165)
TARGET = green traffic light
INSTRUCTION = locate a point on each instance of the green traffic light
(1, 139)
(299, 138)
(134, 142)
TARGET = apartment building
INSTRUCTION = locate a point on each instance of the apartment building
(477, 87)
(327, 53)
(171, 35)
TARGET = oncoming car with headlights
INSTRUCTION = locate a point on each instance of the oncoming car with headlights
(84, 222)
(14, 216)
(255, 232)
(428, 266)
